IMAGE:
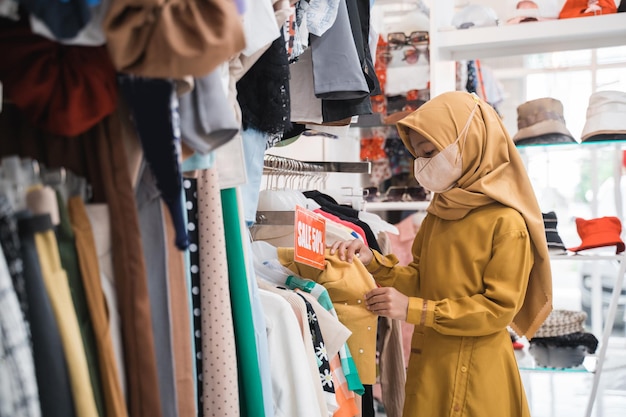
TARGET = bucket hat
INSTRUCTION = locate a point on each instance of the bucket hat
(599, 232)
(541, 121)
(606, 114)
(475, 16)
(581, 8)
(562, 322)
(527, 11)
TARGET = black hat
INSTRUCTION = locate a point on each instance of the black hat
(555, 244)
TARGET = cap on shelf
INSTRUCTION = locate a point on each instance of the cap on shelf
(474, 16)
(606, 115)
(581, 8)
(541, 121)
(598, 233)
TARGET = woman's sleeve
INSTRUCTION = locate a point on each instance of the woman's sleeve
(505, 280)
(388, 273)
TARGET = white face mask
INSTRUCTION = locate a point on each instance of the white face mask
(441, 172)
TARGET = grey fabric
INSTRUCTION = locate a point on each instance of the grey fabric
(206, 117)
(153, 237)
(337, 73)
(53, 382)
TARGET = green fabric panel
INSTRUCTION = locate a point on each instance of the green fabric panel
(69, 262)
(251, 393)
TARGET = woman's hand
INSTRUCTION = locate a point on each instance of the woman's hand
(387, 302)
(347, 250)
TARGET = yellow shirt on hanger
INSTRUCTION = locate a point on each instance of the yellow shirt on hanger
(347, 284)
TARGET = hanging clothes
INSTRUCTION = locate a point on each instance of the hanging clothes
(248, 367)
(20, 395)
(69, 261)
(348, 301)
(53, 382)
(191, 197)
(149, 210)
(181, 325)
(292, 377)
(115, 403)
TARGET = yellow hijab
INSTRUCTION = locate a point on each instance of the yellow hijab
(492, 171)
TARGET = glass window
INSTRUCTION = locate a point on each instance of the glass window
(562, 59)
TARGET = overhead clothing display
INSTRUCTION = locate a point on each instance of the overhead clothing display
(160, 313)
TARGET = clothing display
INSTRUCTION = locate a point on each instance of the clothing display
(155, 157)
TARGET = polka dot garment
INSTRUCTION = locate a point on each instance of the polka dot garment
(219, 360)
(190, 185)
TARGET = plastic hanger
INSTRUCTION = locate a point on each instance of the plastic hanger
(16, 179)
(377, 224)
(266, 264)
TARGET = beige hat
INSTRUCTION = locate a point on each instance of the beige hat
(606, 114)
(541, 118)
(562, 322)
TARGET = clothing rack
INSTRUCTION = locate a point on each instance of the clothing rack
(281, 164)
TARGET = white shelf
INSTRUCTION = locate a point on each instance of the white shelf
(395, 205)
(588, 257)
(533, 37)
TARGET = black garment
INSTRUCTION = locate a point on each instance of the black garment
(65, 19)
(472, 82)
(319, 348)
(263, 93)
(330, 205)
(55, 395)
(622, 7)
(335, 110)
(367, 402)
(191, 196)
(359, 13)
(156, 122)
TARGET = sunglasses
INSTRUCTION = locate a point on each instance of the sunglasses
(410, 55)
(396, 193)
(399, 39)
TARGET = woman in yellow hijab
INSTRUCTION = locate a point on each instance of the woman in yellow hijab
(480, 263)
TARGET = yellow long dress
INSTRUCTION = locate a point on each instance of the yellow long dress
(467, 281)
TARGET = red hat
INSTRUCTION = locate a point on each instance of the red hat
(62, 89)
(600, 232)
(580, 8)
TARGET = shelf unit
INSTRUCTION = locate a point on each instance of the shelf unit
(448, 45)
(395, 205)
(610, 319)
(532, 37)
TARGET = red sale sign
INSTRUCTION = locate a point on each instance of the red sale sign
(309, 238)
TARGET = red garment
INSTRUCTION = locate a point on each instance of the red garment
(64, 90)
(580, 8)
(346, 223)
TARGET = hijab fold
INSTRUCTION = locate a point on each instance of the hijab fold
(493, 171)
